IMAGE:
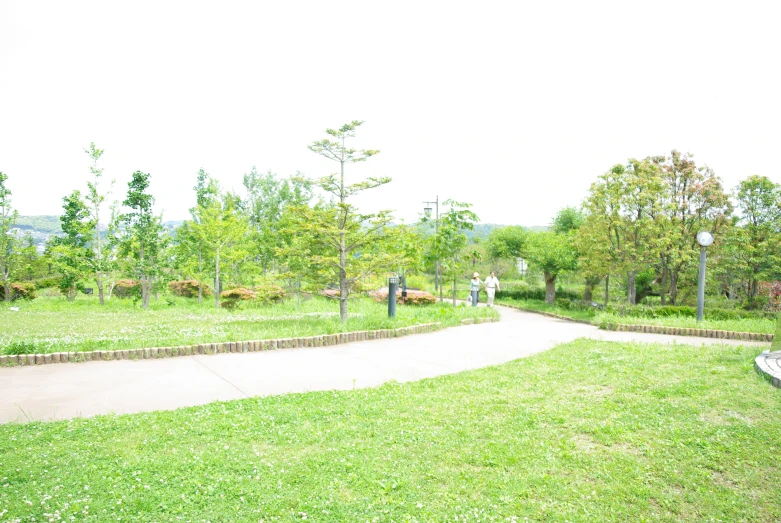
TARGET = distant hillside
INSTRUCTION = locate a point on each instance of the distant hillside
(42, 224)
(481, 230)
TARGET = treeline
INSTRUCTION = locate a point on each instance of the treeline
(303, 233)
(639, 224)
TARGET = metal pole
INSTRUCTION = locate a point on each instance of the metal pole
(393, 285)
(438, 281)
(701, 286)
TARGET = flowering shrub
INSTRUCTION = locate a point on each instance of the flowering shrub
(20, 291)
(187, 289)
(126, 289)
(331, 293)
(230, 299)
(269, 292)
(413, 297)
(773, 290)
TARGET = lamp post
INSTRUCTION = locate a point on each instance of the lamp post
(427, 211)
(704, 239)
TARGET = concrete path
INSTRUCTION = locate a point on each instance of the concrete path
(86, 389)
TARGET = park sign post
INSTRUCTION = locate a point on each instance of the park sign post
(704, 239)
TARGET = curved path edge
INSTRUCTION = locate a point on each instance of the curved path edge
(50, 392)
(768, 364)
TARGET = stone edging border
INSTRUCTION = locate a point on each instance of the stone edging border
(768, 364)
(220, 348)
(687, 331)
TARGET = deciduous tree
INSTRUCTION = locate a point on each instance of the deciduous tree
(8, 242)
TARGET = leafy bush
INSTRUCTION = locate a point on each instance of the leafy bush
(46, 283)
(187, 289)
(413, 297)
(19, 347)
(127, 289)
(269, 292)
(20, 291)
(231, 299)
(773, 292)
(524, 291)
(416, 282)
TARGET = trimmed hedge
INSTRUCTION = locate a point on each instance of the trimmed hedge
(187, 289)
(413, 297)
(127, 289)
(231, 298)
(269, 292)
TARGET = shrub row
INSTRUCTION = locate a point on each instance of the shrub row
(523, 291)
(666, 311)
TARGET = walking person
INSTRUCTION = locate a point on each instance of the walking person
(474, 288)
(491, 286)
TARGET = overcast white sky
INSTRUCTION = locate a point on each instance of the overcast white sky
(515, 107)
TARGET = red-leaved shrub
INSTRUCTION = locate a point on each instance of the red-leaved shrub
(187, 289)
(230, 299)
(20, 291)
(413, 297)
(126, 288)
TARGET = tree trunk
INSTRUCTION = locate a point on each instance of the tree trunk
(455, 282)
(550, 288)
(217, 280)
(662, 284)
(200, 271)
(588, 291)
(343, 278)
(7, 291)
(607, 289)
(100, 289)
(72, 294)
(144, 284)
(673, 287)
(631, 288)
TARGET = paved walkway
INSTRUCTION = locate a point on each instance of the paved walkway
(85, 389)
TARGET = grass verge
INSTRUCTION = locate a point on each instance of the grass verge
(55, 325)
(638, 433)
(760, 325)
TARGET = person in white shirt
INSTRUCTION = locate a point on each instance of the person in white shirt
(491, 286)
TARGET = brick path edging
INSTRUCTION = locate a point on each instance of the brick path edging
(687, 331)
(768, 364)
(220, 348)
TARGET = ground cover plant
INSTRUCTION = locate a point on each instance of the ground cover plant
(638, 433)
(54, 325)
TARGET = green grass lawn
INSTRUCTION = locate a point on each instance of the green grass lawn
(56, 325)
(539, 305)
(634, 433)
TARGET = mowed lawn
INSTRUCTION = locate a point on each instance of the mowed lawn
(586, 432)
(56, 325)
